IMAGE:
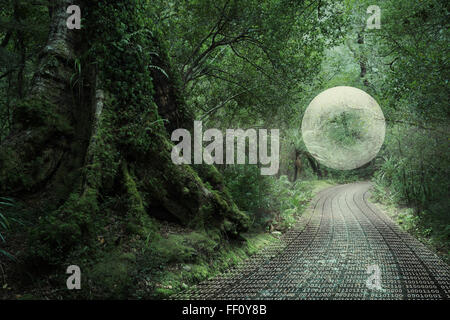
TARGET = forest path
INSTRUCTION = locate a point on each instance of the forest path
(327, 255)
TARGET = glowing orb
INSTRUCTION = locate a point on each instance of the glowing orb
(343, 128)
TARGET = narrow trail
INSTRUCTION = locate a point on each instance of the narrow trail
(327, 254)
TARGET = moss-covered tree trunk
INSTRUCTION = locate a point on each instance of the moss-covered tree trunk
(40, 145)
(92, 128)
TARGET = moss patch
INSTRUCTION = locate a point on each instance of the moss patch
(195, 257)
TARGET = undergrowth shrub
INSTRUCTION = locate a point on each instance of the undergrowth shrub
(271, 203)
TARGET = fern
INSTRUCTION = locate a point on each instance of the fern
(160, 70)
(5, 222)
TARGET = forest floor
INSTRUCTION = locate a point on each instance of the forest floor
(179, 259)
(338, 246)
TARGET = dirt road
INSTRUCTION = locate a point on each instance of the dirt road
(344, 247)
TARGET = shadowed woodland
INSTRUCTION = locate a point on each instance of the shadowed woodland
(86, 116)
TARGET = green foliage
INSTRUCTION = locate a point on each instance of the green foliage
(414, 49)
(59, 232)
(430, 226)
(184, 248)
(345, 129)
(177, 261)
(289, 201)
(269, 202)
(413, 173)
(111, 277)
(414, 167)
(411, 50)
(247, 187)
(237, 65)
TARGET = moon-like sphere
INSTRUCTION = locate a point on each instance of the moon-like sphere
(352, 103)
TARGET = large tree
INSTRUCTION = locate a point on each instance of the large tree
(95, 125)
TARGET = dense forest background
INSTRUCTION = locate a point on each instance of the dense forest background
(86, 116)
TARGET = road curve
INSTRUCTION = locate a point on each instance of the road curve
(328, 254)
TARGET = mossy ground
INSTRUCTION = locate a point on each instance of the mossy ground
(117, 264)
(137, 267)
(193, 257)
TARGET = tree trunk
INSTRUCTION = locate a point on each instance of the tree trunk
(314, 164)
(44, 123)
(363, 61)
